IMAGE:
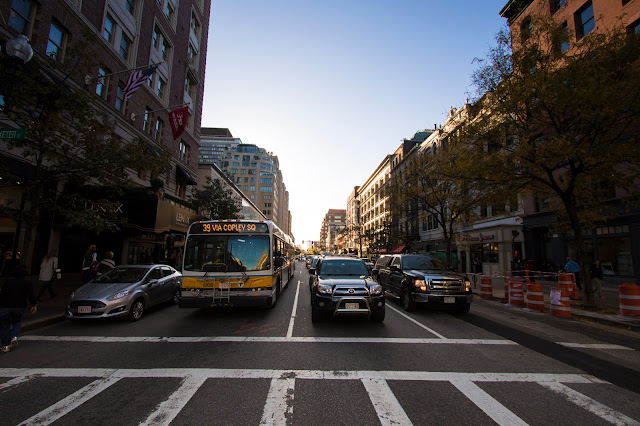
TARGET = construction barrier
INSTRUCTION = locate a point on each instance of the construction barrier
(629, 300)
(565, 282)
(486, 288)
(516, 297)
(560, 305)
(535, 297)
(506, 290)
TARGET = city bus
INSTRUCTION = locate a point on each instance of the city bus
(235, 263)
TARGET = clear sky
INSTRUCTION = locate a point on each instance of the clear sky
(332, 86)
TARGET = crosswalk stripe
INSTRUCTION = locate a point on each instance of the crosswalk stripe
(169, 409)
(492, 408)
(279, 404)
(68, 404)
(385, 403)
(590, 404)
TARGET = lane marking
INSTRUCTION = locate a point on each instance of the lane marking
(279, 404)
(492, 408)
(385, 403)
(14, 382)
(590, 404)
(261, 339)
(172, 406)
(68, 404)
(416, 322)
(215, 373)
(293, 313)
(594, 346)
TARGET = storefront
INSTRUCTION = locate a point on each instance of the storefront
(490, 251)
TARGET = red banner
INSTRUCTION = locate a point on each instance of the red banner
(178, 119)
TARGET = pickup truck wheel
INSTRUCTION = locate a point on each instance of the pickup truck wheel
(377, 316)
(407, 302)
(463, 309)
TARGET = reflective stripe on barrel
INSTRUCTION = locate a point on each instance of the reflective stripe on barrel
(535, 297)
(516, 298)
(565, 282)
(559, 305)
(486, 288)
(629, 300)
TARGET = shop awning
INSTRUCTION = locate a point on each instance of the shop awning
(398, 249)
(382, 251)
(186, 175)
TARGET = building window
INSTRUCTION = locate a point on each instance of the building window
(266, 180)
(183, 153)
(585, 20)
(195, 25)
(156, 38)
(130, 5)
(635, 27)
(101, 89)
(161, 86)
(146, 124)
(125, 46)
(109, 28)
(191, 52)
(158, 131)
(556, 4)
(54, 45)
(266, 189)
(20, 16)
(165, 50)
(252, 188)
(120, 99)
(267, 197)
(245, 188)
(565, 45)
(169, 11)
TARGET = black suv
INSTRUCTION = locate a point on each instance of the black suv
(425, 280)
(343, 286)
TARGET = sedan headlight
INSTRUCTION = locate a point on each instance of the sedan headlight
(120, 295)
(375, 289)
(325, 288)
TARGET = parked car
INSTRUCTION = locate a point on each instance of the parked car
(125, 291)
(343, 286)
(424, 280)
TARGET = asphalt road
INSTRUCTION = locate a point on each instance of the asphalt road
(496, 364)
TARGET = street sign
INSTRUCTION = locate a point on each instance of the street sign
(12, 133)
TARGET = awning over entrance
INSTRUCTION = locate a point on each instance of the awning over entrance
(382, 251)
(186, 175)
(398, 249)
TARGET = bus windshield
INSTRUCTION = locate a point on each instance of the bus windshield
(227, 253)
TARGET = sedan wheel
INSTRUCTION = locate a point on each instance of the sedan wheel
(137, 309)
(176, 296)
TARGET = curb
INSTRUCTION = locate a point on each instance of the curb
(33, 325)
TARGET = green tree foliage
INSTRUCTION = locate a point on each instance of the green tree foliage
(70, 141)
(215, 201)
(565, 125)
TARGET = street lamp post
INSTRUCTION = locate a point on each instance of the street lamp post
(19, 52)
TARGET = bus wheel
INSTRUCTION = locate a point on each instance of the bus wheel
(274, 297)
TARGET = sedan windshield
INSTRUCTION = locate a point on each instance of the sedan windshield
(343, 267)
(422, 263)
(122, 275)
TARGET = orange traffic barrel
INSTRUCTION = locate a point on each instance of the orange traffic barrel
(565, 282)
(629, 300)
(516, 297)
(535, 297)
(559, 305)
(486, 288)
(506, 289)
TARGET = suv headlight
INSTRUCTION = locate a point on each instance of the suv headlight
(375, 289)
(325, 288)
(120, 295)
(420, 284)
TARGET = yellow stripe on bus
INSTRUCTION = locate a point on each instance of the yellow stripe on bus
(234, 282)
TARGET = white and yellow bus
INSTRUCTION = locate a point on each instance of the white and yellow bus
(235, 263)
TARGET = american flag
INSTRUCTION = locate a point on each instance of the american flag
(136, 80)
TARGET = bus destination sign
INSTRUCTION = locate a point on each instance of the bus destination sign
(230, 227)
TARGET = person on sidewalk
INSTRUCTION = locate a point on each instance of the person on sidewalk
(89, 263)
(106, 264)
(15, 293)
(572, 266)
(596, 279)
(47, 273)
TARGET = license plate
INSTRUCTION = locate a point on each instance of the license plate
(224, 285)
(352, 305)
(84, 309)
(449, 299)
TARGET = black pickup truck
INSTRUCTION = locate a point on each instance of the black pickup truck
(424, 280)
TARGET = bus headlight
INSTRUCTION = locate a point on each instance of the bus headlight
(325, 288)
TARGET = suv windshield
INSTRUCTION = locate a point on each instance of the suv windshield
(423, 263)
(343, 267)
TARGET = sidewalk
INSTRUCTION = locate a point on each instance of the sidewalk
(52, 310)
(607, 312)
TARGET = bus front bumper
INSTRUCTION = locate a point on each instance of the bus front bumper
(207, 298)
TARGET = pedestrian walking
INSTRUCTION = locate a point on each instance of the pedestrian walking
(47, 274)
(106, 264)
(597, 278)
(89, 263)
(16, 292)
(572, 266)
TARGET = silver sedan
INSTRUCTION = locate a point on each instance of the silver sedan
(125, 291)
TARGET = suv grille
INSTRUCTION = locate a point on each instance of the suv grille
(447, 284)
(344, 291)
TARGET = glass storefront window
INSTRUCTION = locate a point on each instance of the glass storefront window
(490, 253)
(616, 253)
